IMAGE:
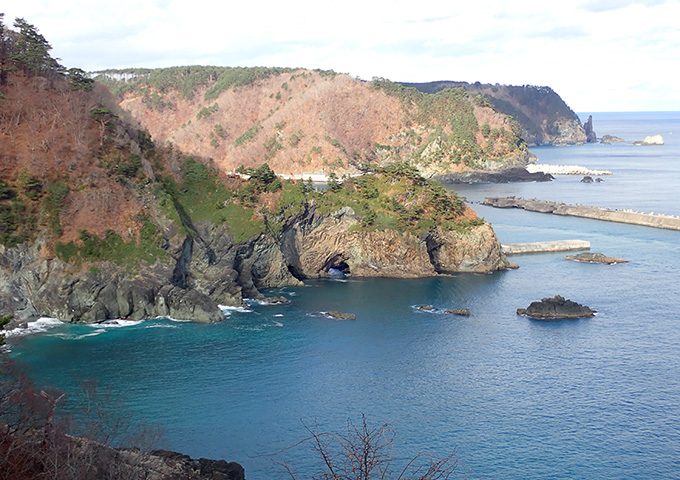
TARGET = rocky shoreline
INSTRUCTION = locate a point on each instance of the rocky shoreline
(210, 269)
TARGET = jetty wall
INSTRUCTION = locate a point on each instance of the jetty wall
(596, 213)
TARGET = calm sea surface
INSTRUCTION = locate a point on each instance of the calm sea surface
(516, 398)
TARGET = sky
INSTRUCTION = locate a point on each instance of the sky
(598, 55)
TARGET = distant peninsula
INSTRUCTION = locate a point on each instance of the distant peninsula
(543, 117)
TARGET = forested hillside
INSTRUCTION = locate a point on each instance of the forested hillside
(543, 117)
(305, 121)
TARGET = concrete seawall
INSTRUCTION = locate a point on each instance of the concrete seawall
(596, 213)
(550, 246)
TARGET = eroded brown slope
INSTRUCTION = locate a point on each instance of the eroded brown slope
(304, 122)
(47, 132)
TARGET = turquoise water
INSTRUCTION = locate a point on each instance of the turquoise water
(516, 398)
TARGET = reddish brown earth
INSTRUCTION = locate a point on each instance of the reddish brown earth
(338, 120)
(46, 130)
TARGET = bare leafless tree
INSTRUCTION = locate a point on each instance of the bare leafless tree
(365, 453)
(36, 436)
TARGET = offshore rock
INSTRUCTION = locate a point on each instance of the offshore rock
(556, 308)
(341, 315)
(609, 139)
(595, 258)
(650, 140)
(509, 175)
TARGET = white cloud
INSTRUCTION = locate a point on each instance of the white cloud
(596, 54)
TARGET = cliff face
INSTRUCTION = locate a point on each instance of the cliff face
(543, 116)
(219, 271)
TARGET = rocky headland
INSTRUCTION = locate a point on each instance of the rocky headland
(555, 308)
(542, 116)
(206, 245)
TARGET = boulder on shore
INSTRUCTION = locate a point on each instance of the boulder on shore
(555, 308)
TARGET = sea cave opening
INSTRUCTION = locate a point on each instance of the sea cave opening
(339, 269)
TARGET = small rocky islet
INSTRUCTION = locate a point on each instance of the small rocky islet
(556, 308)
(588, 257)
(452, 311)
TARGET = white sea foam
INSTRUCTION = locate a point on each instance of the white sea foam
(229, 309)
(161, 325)
(40, 325)
(279, 315)
(80, 337)
(257, 301)
(178, 320)
(117, 323)
(278, 324)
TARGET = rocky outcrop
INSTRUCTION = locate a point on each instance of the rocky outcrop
(319, 242)
(609, 139)
(473, 250)
(509, 175)
(591, 136)
(204, 273)
(556, 308)
(570, 132)
(650, 140)
(340, 315)
(595, 258)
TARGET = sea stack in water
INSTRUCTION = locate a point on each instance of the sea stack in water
(556, 308)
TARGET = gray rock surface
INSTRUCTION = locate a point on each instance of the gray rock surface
(556, 308)
(209, 269)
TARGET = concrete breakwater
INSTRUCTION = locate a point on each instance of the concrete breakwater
(597, 213)
(550, 246)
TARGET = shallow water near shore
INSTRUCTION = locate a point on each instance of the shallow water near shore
(517, 398)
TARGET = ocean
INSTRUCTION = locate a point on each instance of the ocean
(514, 398)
